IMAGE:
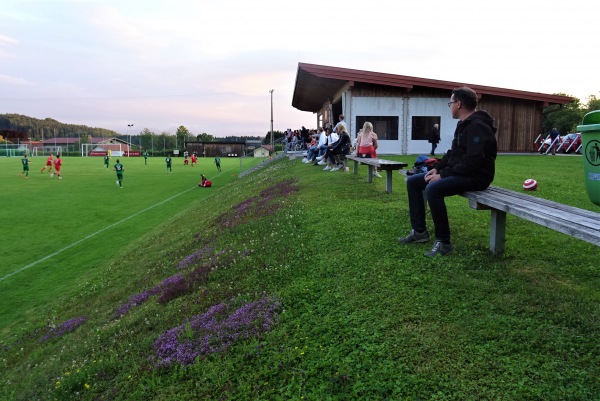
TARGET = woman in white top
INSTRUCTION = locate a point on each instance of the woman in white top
(366, 143)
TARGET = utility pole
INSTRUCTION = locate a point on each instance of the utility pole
(272, 145)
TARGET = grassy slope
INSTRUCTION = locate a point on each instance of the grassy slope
(362, 317)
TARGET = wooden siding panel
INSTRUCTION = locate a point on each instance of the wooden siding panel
(518, 122)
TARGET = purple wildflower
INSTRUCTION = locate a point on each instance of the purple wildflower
(199, 255)
(136, 300)
(171, 288)
(215, 331)
(65, 327)
(257, 206)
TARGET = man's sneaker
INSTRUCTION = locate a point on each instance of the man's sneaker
(376, 174)
(305, 160)
(336, 168)
(415, 237)
(440, 248)
(327, 168)
(319, 158)
(322, 163)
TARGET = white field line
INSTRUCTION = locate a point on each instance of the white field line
(96, 233)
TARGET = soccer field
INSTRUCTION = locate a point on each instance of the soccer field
(58, 231)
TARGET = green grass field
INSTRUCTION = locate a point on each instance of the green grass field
(62, 230)
(291, 282)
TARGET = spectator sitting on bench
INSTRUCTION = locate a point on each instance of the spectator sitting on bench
(340, 147)
(331, 138)
(469, 165)
(366, 143)
(320, 138)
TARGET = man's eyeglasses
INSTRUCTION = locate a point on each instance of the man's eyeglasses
(450, 103)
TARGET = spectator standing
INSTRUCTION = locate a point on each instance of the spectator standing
(340, 124)
(304, 137)
(469, 165)
(434, 138)
(554, 134)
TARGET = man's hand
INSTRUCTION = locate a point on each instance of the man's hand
(432, 175)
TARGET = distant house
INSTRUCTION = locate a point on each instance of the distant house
(56, 145)
(117, 147)
(252, 144)
(261, 152)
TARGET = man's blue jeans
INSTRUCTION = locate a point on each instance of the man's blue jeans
(435, 193)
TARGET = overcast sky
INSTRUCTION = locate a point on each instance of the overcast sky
(209, 64)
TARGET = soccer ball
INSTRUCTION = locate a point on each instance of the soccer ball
(530, 184)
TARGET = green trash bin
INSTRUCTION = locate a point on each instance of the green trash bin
(590, 145)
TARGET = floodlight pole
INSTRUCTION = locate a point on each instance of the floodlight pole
(129, 128)
(272, 145)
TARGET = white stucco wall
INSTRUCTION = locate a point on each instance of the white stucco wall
(421, 106)
(416, 106)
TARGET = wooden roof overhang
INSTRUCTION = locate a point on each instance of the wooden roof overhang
(316, 84)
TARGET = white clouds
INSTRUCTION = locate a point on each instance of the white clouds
(8, 80)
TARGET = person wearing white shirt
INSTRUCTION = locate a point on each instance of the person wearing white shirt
(311, 154)
(332, 138)
(341, 122)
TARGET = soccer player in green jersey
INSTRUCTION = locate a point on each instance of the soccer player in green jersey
(25, 161)
(168, 161)
(145, 157)
(119, 169)
(218, 163)
(106, 159)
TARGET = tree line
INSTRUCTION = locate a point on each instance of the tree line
(566, 118)
(18, 128)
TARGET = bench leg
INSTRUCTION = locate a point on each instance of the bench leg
(497, 231)
(388, 181)
(370, 174)
(355, 167)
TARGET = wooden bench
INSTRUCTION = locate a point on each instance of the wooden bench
(385, 165)
(578, 223)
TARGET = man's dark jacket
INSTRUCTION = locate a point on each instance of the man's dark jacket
(473, 151)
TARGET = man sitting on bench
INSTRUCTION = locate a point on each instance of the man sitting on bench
(469, 165)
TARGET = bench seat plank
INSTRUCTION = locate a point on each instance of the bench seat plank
(578, 223)
(385, 165)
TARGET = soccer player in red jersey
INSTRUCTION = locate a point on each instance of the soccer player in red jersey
(48, 164)
(205, 182)
(57, 165)
(194, 159)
